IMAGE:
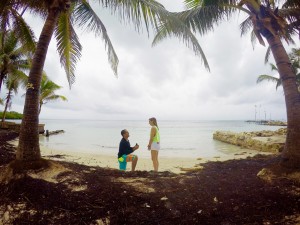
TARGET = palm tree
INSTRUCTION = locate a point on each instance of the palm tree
(47, 92)
(14, 62)
(269, 22)
(60, 18)
(11, 21)
(14, 57)
(13, 83)
(295, 65)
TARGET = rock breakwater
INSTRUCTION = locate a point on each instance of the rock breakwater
(265, 141)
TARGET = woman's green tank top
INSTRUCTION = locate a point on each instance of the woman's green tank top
(157, 136)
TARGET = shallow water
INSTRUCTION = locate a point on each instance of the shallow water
(178, 138)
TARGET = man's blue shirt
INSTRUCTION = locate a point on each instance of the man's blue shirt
(124, 148)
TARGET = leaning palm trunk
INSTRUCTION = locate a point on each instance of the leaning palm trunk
(6, 106)
(291, 153)
(1, 80)
(28, 149)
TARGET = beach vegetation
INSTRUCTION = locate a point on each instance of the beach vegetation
(12, 115)
(61, 17)
(47, 92)
(13, 29)
(295, 62)
(14, 63)
(271, 23)
(12, 84)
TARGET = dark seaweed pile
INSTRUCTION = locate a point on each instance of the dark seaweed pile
(222, 193)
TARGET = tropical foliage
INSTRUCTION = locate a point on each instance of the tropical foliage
(61, 18)
(295, 62)
(14, 63)
(14, 56)
(12, 84)
(12, 115)
(47, 93)
(271, 21)
(265, 77)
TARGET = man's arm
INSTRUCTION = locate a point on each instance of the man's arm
(126, 149)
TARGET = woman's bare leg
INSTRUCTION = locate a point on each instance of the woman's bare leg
(154, 157)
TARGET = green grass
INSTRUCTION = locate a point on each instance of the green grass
(12, 115)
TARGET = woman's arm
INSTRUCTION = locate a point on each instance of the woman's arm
(152, 135)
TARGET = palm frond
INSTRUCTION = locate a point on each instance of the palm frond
(10, 43)
(19, 78)
(68, 45)
(265, 77)
(253, 39)
(23, 32)
(245, 26)
(279, 83)
(273, 67)
(85, 16)
(191, 4)
(291, 3)
(137, 12)
(54, 98)
(175, 27)
(267, 56)
(202, 16)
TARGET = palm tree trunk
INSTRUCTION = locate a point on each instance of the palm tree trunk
(40, 107)
(291, 152)
(6, 106)
(29, 149)
(2, 75)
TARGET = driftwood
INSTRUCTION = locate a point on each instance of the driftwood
(48, 133)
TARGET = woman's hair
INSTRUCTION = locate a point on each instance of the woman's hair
(153, 119)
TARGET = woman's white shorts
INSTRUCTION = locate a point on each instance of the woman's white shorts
(155, 146)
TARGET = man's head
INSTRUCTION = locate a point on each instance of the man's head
(125, 134)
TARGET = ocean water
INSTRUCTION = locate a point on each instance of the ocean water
(178, 138)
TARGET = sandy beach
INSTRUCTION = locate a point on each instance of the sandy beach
(171, 164)
(83, 189)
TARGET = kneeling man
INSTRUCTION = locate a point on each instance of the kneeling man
(125, 151)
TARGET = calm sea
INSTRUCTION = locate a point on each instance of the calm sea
(178, 138)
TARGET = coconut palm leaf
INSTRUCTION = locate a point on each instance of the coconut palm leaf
(55, 98)
(267, 56)
(174, 27)
(23, 32)
(10, 19)
(245, 26)
(47, 92)
(265, 77)
(86, 17)
(273, 67)
(68, 45)
(14, 58)
(137, 11)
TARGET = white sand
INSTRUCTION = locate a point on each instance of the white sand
(175, 165)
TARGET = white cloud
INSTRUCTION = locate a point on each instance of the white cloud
(167, 81)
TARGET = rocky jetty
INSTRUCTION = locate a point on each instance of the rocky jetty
(266, 141)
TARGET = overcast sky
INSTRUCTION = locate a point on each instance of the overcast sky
(167, 81)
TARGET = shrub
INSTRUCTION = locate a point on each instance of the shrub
(12, 115)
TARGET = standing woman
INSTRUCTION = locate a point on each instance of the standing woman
(154, 142)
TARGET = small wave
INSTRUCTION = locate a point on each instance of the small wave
(109, 147)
